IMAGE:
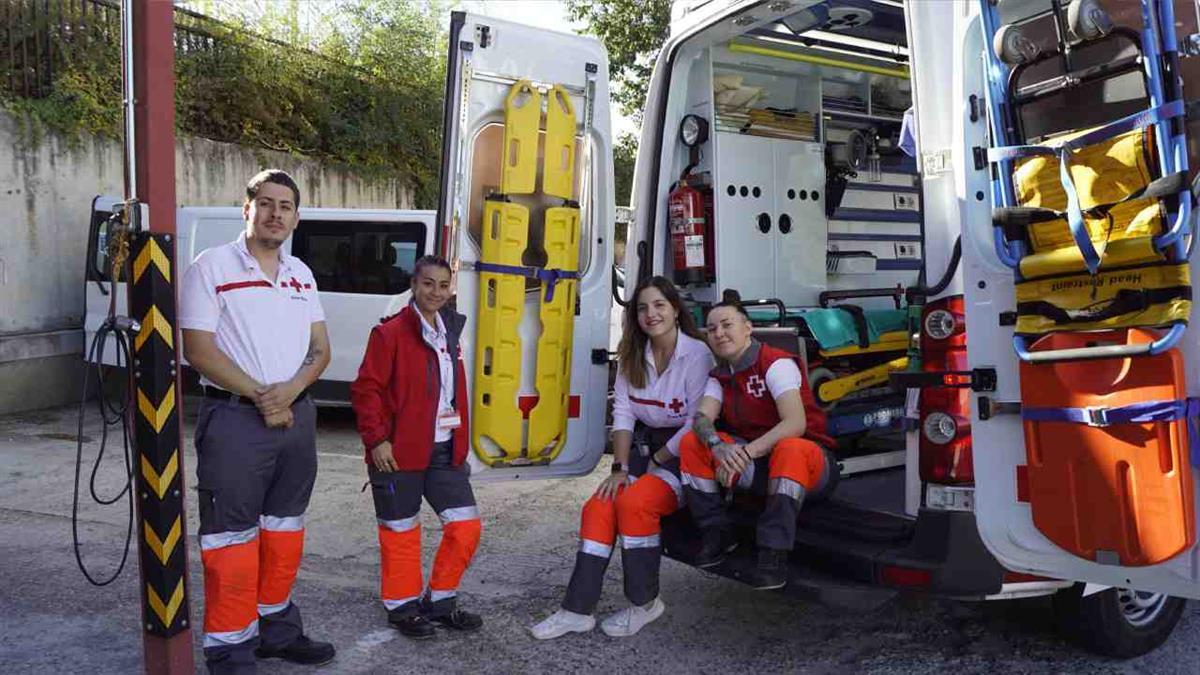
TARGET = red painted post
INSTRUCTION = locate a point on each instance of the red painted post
(162, 527)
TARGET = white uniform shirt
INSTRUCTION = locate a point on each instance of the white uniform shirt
(263, 325)
(669, 399)
(783, 376)
(436, 339)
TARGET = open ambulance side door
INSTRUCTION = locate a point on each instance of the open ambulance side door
(1001, 499)
(529, 233)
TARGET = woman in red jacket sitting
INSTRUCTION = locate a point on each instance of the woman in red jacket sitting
(775, 443)
(410, 401)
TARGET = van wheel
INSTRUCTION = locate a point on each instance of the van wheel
(1117, 622)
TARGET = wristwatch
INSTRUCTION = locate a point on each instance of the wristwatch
(618, 467)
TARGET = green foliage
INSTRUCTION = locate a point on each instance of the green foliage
(633, 31)
(624, 156)
(365, 87)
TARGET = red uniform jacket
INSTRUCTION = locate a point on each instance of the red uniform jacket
(747, 408)
(395, 397)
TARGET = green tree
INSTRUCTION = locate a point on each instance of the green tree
(624, 156)
(633, 31)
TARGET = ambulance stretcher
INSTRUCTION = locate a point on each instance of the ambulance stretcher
(1097, 224)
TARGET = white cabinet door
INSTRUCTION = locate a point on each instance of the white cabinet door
(745, 215)
(800, 226)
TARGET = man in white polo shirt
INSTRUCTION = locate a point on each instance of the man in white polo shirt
(254, 329)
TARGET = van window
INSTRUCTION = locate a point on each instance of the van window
(360, 257)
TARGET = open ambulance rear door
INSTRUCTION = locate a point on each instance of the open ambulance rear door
(529, 233)
(1002, 493)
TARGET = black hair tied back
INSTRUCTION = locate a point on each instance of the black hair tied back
(731, 298)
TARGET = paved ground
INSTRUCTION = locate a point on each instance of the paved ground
(52, 621)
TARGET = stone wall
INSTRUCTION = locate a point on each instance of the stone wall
(46, 189)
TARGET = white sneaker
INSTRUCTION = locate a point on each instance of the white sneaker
(562, 622)
(632, 619)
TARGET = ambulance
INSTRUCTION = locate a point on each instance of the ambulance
(880, 180)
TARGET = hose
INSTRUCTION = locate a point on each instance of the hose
(112, 413)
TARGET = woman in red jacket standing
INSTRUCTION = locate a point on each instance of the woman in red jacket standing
(410, 401)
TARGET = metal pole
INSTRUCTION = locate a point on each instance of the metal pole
(129, 99)
(159, 471)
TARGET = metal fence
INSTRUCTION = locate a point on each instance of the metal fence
(39, 37)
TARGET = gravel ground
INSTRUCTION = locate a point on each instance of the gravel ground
(52, 621)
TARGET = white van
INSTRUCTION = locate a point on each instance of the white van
(361, 258)
(828, 84)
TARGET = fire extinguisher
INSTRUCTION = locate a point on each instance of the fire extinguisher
(689, 216)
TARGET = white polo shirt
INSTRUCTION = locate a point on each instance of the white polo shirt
(668, 399)
(263, 325)
(435, 337)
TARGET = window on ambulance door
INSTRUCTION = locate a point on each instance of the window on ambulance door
(360, 257)
(486, 167)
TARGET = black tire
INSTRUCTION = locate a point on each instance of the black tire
(1117, 622)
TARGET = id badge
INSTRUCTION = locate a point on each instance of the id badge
(449, 420)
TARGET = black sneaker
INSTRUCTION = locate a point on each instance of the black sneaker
(303, 650)
(458, 619)
(772, 570)
(714, 544)
(412, 626)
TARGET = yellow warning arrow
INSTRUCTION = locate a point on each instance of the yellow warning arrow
(166, 612)
(162, 547)
(160, 483)
(151, 253)
(157, 416)
(154, 322)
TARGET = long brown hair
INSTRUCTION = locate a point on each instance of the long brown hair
(631, 354)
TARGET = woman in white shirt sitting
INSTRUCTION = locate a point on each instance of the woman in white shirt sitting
(663, 365)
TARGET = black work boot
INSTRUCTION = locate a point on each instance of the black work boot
(458, 619)
(411, 625)
(714, 544)
(302, 650)
(772, 569)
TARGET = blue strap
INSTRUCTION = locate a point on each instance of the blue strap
(548, 276)
(1135, 413)
(1137, 120)
(1079, 231)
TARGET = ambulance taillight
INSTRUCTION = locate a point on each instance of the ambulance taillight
(945, 414)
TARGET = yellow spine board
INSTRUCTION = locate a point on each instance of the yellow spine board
(892, 341)
(835, 390)
(522, 115)
(558, 170)
(496, 422)
(548, 420)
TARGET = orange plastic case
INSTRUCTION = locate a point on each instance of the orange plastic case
(1118, 494)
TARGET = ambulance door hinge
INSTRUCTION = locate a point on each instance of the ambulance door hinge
(989, 407)
(976, 108)
(577, 306)
(980, 156)
(600, 357)
(484, 35)
(980, 379)
(464, 46)
(1008, 318)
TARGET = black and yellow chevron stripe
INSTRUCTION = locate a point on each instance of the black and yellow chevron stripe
(162, 528)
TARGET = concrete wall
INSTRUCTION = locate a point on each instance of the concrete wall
(46, 189)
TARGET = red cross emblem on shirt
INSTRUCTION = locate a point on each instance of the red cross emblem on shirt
(294, 283)
(675, 406)
(755, 386)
